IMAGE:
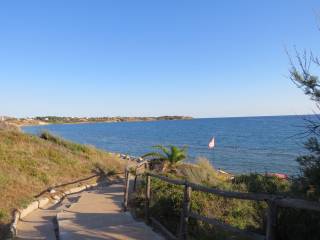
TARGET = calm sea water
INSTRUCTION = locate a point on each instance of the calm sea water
(251, 144)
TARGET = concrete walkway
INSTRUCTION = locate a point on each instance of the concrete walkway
(92, 214)
(41, 223)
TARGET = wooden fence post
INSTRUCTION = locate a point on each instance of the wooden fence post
(135, 182)
(147, 201)
(126, 190)
(272, 215)
(146, 166)
(183, 233)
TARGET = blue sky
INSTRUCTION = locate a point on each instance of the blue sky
(143, 58)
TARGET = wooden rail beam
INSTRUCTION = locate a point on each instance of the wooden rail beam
(298, 204)
(166, 179)
(228, 194)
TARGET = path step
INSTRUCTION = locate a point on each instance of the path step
(91, 214)
(98, 215)
(131, 231)
(41, 223)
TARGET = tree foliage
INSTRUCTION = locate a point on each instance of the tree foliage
(168, 156)
(302, 73)
(302, 76)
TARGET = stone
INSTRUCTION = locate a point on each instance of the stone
(43, 202)
(52, 191)
(56, 197)
(31, 207)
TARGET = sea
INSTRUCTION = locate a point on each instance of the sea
(242, 144)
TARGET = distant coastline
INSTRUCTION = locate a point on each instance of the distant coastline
(21, 122)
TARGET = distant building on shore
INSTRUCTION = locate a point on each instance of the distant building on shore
(4, 118)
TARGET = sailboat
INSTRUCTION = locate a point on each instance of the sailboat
(211, 144)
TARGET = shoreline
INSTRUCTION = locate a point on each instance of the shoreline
(66, 120)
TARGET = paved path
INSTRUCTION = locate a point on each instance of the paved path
(93, 214)
(41, 223)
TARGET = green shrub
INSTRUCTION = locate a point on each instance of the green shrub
(258, 183)
(3, 215)
(298, 224)
(25, 201)
(166, 205)
(67, 144)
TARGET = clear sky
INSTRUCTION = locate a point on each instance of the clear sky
(143, 58)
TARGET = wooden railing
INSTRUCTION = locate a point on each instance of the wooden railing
(273, 202)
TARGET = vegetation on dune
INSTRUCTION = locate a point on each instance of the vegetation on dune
(8, 126)
(74, 147)
(202, 173)
(166, 198)
(166, 203)
(30, 164)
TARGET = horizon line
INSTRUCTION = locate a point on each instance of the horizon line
(209, 117)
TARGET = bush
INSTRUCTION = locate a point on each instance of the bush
(298, 224)
(3, 215)
(67, 144)
(166, 205)
(309, 182)
(258, 183)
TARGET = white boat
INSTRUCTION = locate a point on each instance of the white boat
(211, 144)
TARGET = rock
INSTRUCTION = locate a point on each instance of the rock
(31, 207)
(56, 197)
(43, 202)
(52, 191)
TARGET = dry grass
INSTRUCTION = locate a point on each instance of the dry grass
(8, 126)
(30, 164)
(202, 173)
